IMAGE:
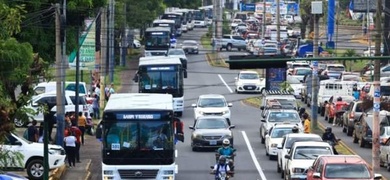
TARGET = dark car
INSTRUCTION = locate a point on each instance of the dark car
(210, 131)
(363, 130)
(190, 47)
(351, 115)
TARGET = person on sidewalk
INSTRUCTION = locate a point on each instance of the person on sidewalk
(77, 133)
(306, 124)
(95, 107)
(82, 123)
(70, 148)
(33, 132)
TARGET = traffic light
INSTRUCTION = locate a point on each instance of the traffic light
(261, 62)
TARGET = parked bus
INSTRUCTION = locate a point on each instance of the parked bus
(139, 133)
(157, 41)
(163, 75)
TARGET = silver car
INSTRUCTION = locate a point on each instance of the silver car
(210, 131)
(190, 47)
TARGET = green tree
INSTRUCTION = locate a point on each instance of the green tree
(308, 18)
(285, 86)
(145, 12)
(349, 53)
(190, 4)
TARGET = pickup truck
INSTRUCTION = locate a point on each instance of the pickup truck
(229, 42)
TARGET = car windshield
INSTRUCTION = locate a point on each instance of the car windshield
(212, 102)
(82, 100)
(280, 132)
(211, 124)
(249, 76)
(350, 171)
(336, 68)
(293, 80)
(186, 43)
(283, 117)
(311, 152)
(176, 52)
(303, 71)
(291, 140)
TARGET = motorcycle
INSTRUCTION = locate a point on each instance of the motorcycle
(222, 175)
(333, 144)
(229, 160)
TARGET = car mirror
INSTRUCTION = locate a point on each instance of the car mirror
(279, 147)
(316, 175)
(262, 107)
(232, 126)
(191, 127)
(193, 105)
(230, 104)
(34, 104)
(287, 156)
(263, 120)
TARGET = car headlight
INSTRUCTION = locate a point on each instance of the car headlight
(274, 145)
(197, 136)
(239, 83)
(298, 170)
(228, 136)
(54, 152)
(225, 112)
(200, 112)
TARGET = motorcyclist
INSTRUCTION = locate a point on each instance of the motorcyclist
(221, 166)
(339, 108)
(226, 151)
(328, 136)
(295, 129)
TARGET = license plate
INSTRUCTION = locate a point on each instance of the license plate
(213, 142)
(249, 87)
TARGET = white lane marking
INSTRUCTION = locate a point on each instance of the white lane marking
(258, 167)
(223, 81)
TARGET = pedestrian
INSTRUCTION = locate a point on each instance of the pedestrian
(70, 148)
(306, 124)
(33, 132)
(95, 107)
(82, 123)
(77, 133)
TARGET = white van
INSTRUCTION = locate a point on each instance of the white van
(334, 87)
(52, 86)
(49, 99)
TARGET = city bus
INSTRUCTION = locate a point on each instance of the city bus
(157, 41)
(139, 133)
(167, 23)
(174, 16)
(200, 18)
(163, 75)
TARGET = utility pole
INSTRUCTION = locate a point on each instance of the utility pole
(103, 56)
(219, 19)
(124, 39)
(59, 99)
(315, 11)
(77, 74)
(61, 69)
(377, 90)
(278, 21)
(112, 39)
(213, 26)
(264, 19)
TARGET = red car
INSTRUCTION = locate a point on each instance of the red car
(340, 167)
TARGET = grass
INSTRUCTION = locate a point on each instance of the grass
(214, 60)
(206, 42)
(341, 149)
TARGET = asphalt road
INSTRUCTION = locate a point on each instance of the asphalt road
(365, 153)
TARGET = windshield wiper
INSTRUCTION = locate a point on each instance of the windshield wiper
(304, 155)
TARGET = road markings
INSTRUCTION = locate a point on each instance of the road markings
(223, 81)
(258, 167)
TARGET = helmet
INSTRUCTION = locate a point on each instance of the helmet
(339, 99)
(222, 159)
(226, 142)
(295, 129)
(328, 129)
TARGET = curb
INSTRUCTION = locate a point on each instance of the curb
(88, 176)
(57, 173)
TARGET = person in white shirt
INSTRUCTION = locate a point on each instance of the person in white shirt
(70, 148)
(221, 166)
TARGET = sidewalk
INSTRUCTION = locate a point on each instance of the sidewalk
(90, 153)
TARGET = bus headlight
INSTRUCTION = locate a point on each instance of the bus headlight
(108, 172)
(168, 172)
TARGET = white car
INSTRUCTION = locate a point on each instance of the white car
(274, 117)
(136, 44)
(296, 85)
(302, 156)
(177, 53)
(212, 104)
(287, 142)
(249, 81)
(33, 155)
(235, 22)
(274, 138)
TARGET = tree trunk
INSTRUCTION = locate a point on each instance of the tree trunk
(303, 29)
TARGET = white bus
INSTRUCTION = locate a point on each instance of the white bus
(157, 41)
(163, 75)
(138, 134)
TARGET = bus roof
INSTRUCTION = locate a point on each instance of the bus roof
(174, 13)
(151, 29)
(164, 21)
(206, 7)
(134, 101)
(158, 60)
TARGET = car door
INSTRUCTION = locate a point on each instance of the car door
(12, 145)
(47, 101)
(348, 112)
(313, 169)
(239, 42)
(264, 123)
(358, 126)
(267, 138)
(196, 107)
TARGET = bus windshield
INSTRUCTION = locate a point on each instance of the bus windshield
(157, 40)
(199, 15)
(160, 79)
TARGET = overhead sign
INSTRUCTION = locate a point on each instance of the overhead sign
(274, 78)
(362, 5)
(248, 7)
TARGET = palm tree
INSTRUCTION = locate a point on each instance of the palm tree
(349, 53)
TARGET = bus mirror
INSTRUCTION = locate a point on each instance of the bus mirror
(179, 135)
(185, 73)
(99, 131)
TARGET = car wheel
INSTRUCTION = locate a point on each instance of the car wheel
(229, 47)
(282, 174)
(349, 131)
(35, 169)
(19, 123)
(362, 143)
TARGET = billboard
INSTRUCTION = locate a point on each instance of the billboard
(248, 7)
(87, 48)
(362, 5)
(275, 77)
(293, 8)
